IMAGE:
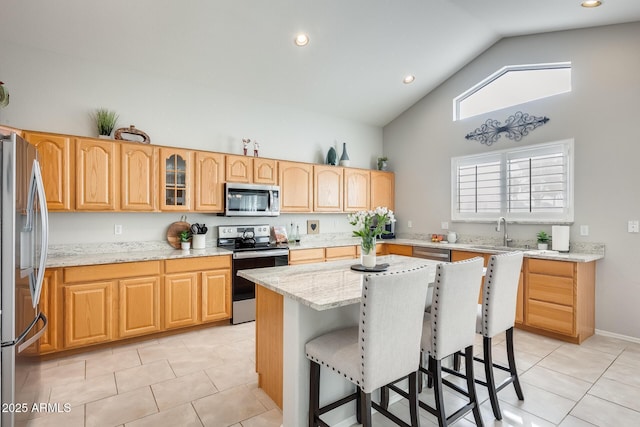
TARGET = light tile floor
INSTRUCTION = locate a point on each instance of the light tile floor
(207, 378)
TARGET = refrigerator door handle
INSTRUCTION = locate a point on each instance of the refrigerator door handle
(24, 333)
(37, 190)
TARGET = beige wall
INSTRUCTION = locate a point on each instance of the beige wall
(601, 114)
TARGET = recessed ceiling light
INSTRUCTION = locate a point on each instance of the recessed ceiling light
(408, 79)
(591, 3)
(301, 40)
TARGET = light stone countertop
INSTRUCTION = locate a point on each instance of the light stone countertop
(327, 285)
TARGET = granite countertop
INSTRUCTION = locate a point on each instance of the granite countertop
(326, 285)
(480, 248)
(78, 255)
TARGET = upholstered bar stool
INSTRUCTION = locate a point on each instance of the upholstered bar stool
(449, 327)
(384, 347)
(495, 315)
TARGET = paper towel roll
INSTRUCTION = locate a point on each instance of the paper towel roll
(560, 238)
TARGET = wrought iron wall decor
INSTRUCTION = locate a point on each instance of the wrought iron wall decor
(516, 127)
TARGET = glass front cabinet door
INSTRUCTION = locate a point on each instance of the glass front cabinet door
(175, 174)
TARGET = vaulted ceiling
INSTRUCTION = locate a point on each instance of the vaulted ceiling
(353, 66)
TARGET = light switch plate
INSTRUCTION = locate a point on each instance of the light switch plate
(633, 226)
(584, 230)
(444, 225)
(409, 224)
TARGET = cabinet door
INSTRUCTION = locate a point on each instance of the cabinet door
(239, 169)
(357, 191)
(328, 186)
(306, 256)
(88, 315)
(175, 179)
(138, 178)
(296, 187)
(382, 189)
(49, 306)
(95, 175)
(340, 252)
(520, 300)
(57, 163)
(180, 300)
(209, 182)
(216, 295)
(139, 301)
(265, 171)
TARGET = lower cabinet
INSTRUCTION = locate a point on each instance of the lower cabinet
(95, 304)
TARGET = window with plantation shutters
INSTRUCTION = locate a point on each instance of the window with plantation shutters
(528, 184)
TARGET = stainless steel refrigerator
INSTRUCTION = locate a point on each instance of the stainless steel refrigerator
(23, 254)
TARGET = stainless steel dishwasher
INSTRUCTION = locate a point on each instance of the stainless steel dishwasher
(436, 254)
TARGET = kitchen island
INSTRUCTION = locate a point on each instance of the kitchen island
(295, 304)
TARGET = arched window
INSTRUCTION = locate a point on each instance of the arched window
(513, 85)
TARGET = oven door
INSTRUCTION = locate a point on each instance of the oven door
(243, 291)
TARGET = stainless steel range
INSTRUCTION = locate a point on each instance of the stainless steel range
(251, 249)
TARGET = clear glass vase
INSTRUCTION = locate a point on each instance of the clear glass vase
(368, 252)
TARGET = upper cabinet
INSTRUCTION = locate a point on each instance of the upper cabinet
(251, 170)
(138, 177)
(175, 179)
(382, 189)
(209, 182)
(328, 188)
(57, 162)
(296, 187)
(356, 190)
(96, 174)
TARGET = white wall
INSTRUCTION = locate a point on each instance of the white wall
(600, 113)
(53, 93)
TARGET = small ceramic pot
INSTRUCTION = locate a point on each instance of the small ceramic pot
(185, 246)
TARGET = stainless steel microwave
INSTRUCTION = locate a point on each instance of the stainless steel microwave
(251, 200)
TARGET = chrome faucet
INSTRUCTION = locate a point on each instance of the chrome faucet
(505, 236)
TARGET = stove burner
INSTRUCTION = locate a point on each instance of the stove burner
(245, 242)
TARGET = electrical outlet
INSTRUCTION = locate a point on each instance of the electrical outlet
(584, 230)
(444, 225)
(633, 226)
(117, 229)
(409, 224)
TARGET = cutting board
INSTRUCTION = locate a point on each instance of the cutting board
(174, 230)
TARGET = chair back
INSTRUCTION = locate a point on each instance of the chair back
(454, 306)
(390, 329)
(500, 293)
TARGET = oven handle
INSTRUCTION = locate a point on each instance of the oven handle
(260, 254)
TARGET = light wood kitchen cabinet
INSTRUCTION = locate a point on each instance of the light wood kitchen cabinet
(328, 188)
(49, 306)
(138, 177)
(239, 169)
(340, 252)
(394, 249)
(306, 256)
(382, 189)
(96, 174)
(216, 295)
(57, 161)
(209, 182)
(176, 172)
(88, 313)
(296, 187)
(139, 306)
(356, 190)
(181, 300)
(560, 298)
(265, 171)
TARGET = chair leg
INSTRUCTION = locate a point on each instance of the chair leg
(491, 382)
(512, 364)
(456, 361)
(413, 399)
(384, 397)
(471, 384)
(314, 392)
(435, 367)
(358, 405)
(365, 408)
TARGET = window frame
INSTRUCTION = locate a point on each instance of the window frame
(565, 217)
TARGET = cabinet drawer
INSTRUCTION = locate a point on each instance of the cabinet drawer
(306, 256)
(340, 252)
(552, 268)
(399, 249)
(197, 264)
(92, 273)
(554, 289)
(553, 317)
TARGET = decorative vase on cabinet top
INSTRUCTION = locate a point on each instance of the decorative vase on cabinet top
(344, 159)
(332, 157)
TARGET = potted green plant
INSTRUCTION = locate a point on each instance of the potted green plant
(185, 239)
(105, 121)
(382, 163)
(543, 240)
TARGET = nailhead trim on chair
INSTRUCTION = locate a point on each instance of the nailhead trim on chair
(487, 283)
